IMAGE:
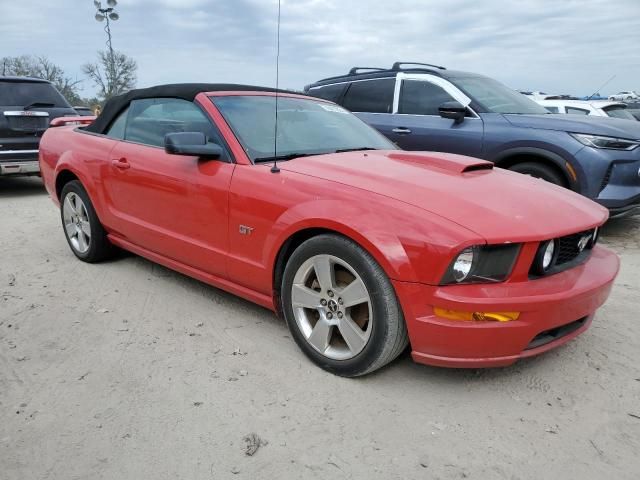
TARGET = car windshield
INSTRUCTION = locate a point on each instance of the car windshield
(305, 127)
(495, 97)
(27, 93)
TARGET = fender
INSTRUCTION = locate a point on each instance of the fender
(553, 157)
(412, 251)
(382, 245)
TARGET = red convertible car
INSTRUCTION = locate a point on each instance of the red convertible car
(363, 248)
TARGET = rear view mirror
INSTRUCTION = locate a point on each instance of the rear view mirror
(192, 144)
(453, 110)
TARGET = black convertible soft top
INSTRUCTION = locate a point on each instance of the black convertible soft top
(186, 91)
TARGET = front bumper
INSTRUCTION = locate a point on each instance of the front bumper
(20, 168)
(553, 310)
(612, 178)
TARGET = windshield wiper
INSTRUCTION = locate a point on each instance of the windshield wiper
(288, 156)
(39, 105)
(356, 149)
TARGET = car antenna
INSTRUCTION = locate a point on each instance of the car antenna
(601, 87)
(274, 168)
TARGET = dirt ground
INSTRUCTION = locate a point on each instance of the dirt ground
(127, 370)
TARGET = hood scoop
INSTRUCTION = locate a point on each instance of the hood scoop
(478, 166)
(449, 162)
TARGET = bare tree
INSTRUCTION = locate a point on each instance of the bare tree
(114, 73)
(42, 67)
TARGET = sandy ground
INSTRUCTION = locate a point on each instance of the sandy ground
(126, 370)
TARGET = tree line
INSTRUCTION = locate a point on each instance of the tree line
(110, 74)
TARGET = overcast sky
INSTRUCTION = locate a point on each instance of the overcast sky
(567, 46)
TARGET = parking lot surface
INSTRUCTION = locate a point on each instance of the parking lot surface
(127, 370)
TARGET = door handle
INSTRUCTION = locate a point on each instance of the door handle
(401, 130)
(121, 163)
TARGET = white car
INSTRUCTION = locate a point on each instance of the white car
(596, 108)
(626, 95)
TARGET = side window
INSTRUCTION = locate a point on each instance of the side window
(576, 111)
(421, 98)
(328, 92)
(552, 109)
(116, 130)
(151, 119)
(373, 96)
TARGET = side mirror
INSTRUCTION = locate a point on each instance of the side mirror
(453, 110)
(192, 144)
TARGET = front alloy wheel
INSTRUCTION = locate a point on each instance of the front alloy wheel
(341, 307)
(332, 307)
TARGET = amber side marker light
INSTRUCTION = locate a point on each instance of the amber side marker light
(572, 171)
(476, 316)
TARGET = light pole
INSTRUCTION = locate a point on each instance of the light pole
(108, 14)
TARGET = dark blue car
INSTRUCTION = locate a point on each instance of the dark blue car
(426, 107)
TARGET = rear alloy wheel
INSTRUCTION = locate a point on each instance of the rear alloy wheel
(76, 223)
(539, 170)
(341, 307)
(83, 231)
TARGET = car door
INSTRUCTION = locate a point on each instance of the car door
(417, 124)
(372, 101)
(173, 205)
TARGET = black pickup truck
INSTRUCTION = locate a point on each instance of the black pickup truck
(27, 105)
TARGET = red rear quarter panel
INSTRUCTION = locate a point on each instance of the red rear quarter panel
(83, 154)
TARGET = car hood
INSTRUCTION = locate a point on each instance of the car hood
(611, 127)
(497, 204)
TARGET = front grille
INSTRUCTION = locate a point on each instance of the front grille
(568, 249)
(568, 254)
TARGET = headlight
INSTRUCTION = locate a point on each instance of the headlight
(462, 264)
(599, 141)
(482, 263)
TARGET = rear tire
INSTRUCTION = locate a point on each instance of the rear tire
(85, 234)
(346, 318)
(539, 170)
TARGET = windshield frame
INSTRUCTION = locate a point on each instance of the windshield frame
(218, 98)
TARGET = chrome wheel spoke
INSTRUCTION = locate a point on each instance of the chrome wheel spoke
(354, 294)
(77, 204)
(320, 335)
(85, 227)
(70, 229)
(324, 271)
(302, 296)
(69, 208)
(352, 334)
(82, 242)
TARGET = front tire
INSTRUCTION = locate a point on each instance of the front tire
(341, 307)
(539, 170)
(82, 228)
